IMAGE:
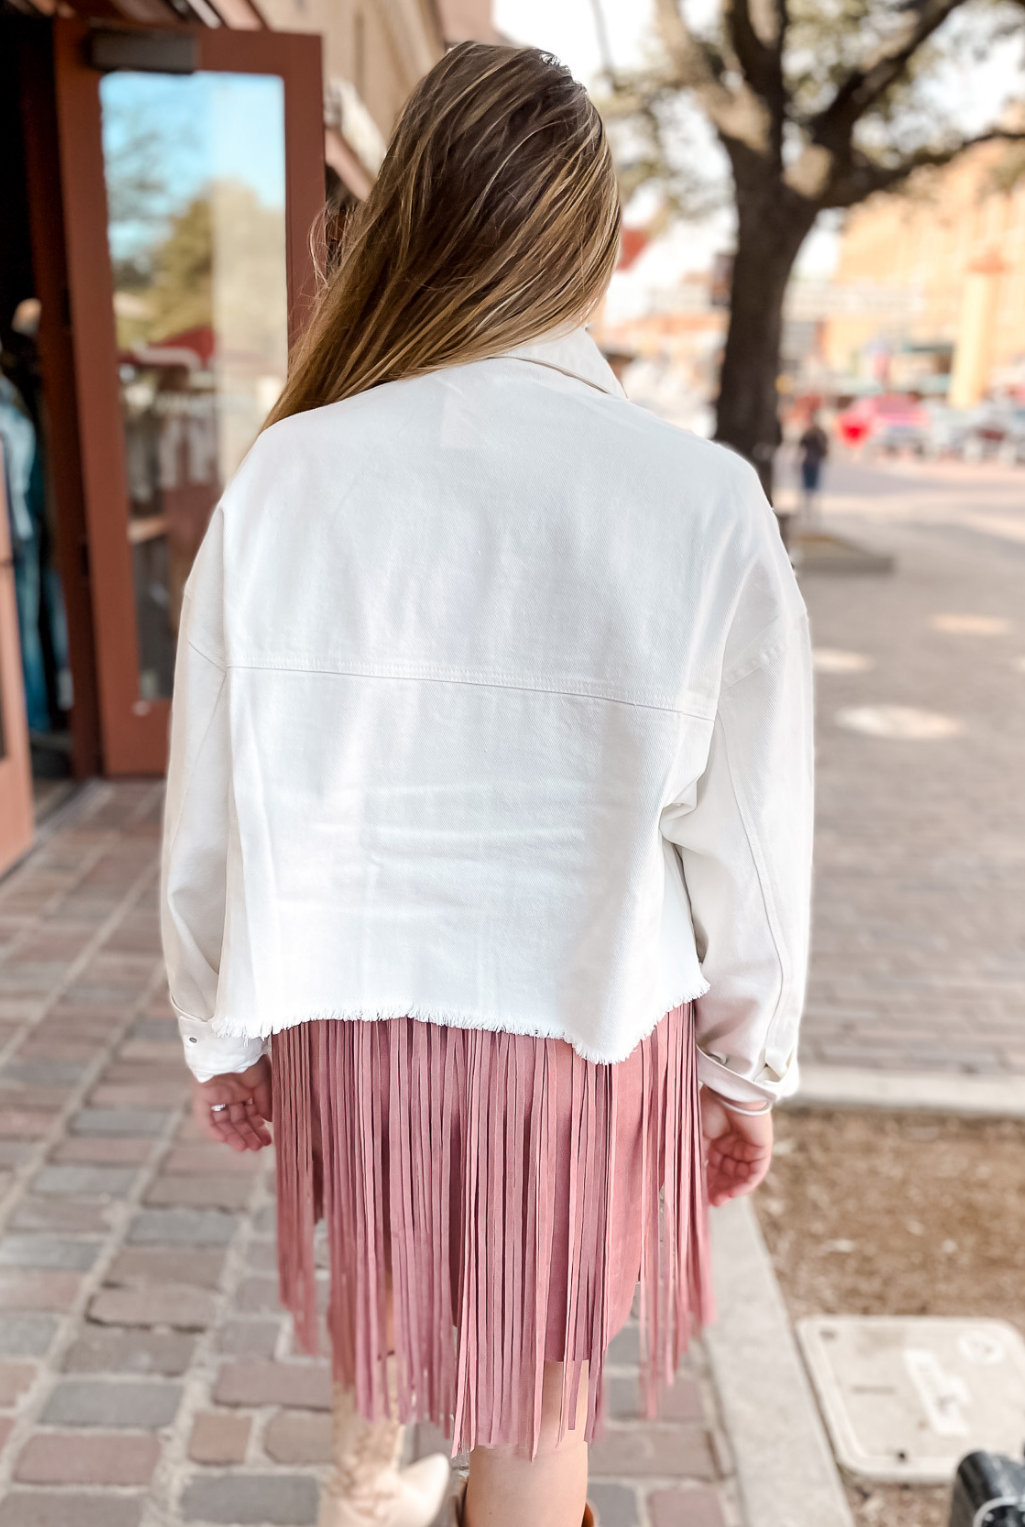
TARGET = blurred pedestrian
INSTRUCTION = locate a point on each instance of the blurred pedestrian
(814, 449)
(488, 819)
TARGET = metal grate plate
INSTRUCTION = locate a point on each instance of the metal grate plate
(904, 1398)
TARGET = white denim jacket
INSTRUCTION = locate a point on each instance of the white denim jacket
(492, 707)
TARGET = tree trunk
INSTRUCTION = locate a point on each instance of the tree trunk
(772, 226)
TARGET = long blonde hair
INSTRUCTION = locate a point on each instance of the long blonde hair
(495, 218)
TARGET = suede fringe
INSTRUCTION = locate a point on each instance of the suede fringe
(453, 1214)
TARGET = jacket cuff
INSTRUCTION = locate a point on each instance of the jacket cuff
(768, 1087)
(209, 1054)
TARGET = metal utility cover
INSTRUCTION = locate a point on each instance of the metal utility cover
(906, 1398)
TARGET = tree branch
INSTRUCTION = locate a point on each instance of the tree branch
(690, 58)
(759, 52)
(754, 58)
(865, 177)
(601, 32)
(863, 87)
(737, 113)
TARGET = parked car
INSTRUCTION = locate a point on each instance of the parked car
(887, 422)
(1012, 447)
(996, 431)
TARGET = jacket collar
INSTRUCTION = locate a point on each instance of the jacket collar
(572, 352)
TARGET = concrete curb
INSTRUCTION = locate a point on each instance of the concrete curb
(941, 1091)
(824, 551)
(785, 1469)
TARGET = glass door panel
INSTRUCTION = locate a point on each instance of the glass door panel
(189, 195)
(195, 179)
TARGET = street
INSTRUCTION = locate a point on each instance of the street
(918, 951)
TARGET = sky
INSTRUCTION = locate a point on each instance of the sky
(196, 127)
(567, 28)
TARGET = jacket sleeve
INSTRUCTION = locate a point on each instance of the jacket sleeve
(195, 830)
(745, 839)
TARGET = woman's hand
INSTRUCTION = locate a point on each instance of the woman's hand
(247, 1095)
(738, 1148)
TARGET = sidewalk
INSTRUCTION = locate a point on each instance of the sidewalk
(147, 1376)
(917, 964)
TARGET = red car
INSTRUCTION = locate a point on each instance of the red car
(888, 422)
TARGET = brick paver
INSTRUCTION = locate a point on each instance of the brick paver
(62, 1458)
(918, 953)
(147, 1373)
(219, 1438)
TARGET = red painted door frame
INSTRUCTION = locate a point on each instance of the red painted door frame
(133, 731)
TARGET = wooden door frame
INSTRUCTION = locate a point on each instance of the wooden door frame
(134, 731)
(56, 360)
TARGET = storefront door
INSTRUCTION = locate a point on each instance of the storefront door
(192, 172)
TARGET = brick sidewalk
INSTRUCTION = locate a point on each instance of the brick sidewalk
(147, 1376)
(918, 961)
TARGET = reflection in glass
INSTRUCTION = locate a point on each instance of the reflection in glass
(195, 172)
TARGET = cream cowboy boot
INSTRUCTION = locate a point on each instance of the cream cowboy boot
(367, 1488)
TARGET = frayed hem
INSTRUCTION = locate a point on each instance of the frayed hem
(240, 1028)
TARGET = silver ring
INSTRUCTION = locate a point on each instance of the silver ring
(218, 1107)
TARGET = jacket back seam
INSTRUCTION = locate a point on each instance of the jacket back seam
(483, 683)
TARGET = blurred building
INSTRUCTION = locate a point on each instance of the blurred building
(468, 21)
(673, 333)
(169, 169)
(950, 257)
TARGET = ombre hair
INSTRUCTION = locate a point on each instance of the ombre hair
(495, 218)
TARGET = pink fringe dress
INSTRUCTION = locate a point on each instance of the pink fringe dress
(508, 1195)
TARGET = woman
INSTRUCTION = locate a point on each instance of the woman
(488, 819)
